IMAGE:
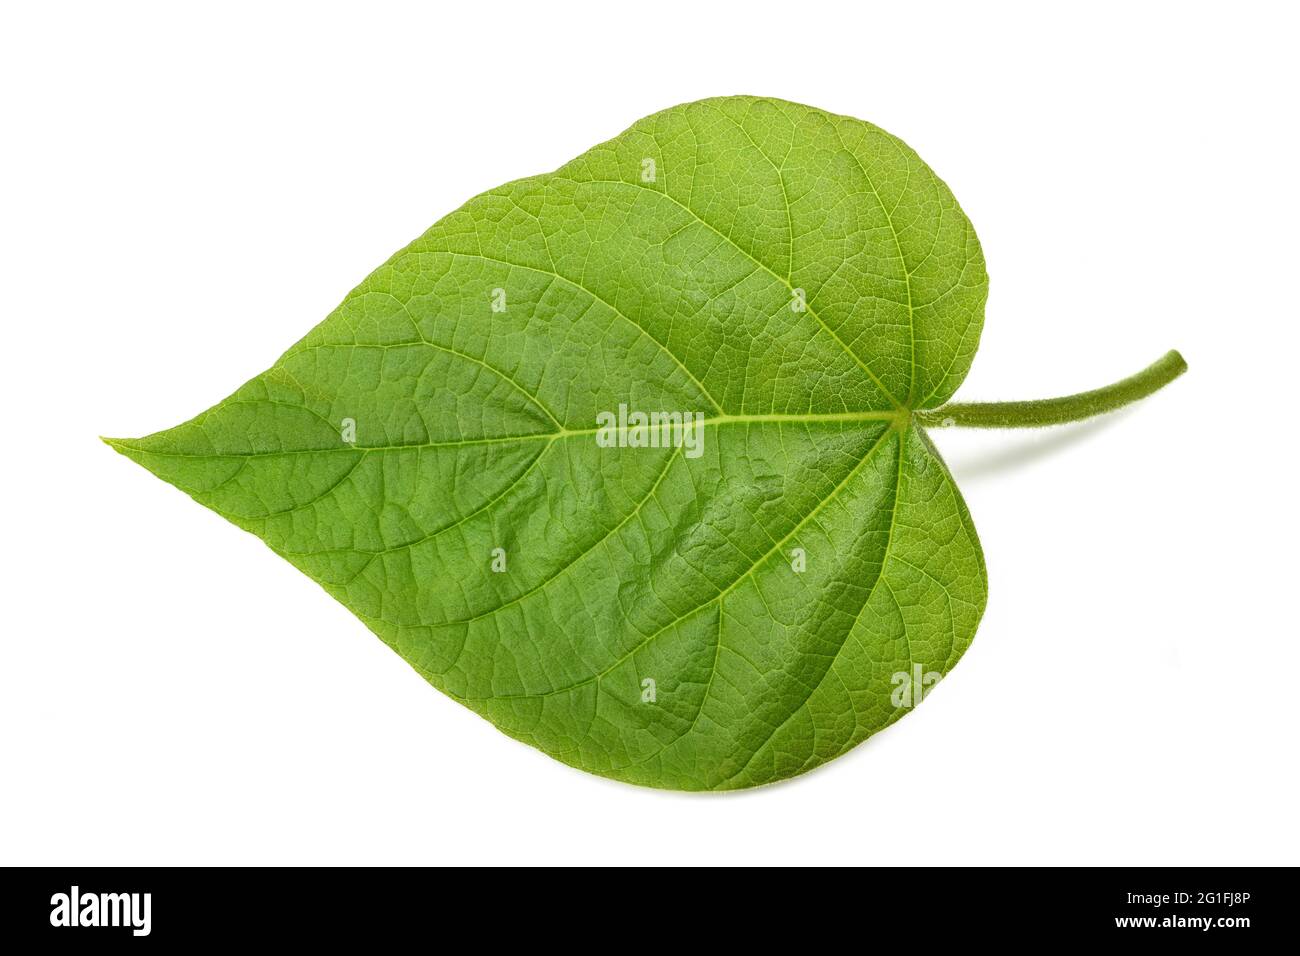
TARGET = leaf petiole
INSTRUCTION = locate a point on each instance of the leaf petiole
(1057, 411)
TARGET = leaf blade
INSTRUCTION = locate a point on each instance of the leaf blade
(474, 432)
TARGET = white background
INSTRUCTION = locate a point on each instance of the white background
(185, 193)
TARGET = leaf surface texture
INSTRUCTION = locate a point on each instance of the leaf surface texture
(663, 270)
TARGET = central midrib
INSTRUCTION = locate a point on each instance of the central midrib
(899, 419)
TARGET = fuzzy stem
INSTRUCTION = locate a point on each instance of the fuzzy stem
(1057, 411)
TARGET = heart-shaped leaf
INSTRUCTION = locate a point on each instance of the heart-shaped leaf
(623, 456)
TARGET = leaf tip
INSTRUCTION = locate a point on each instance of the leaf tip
(120, 445)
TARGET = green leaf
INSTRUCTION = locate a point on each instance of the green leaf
(726, 607)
